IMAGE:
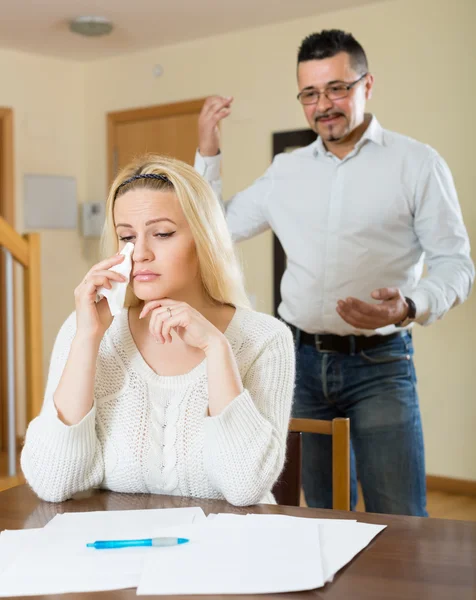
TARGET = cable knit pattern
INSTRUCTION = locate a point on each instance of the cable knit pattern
(148, 433)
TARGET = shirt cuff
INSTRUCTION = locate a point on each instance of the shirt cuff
(208, 166)
(422, 303)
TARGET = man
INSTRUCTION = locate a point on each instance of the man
(356, 213)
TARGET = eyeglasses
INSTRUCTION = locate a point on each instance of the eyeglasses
(333, 92)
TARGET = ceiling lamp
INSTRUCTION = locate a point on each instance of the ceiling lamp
(91, 26)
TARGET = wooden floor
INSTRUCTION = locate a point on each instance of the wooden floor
(441, 505)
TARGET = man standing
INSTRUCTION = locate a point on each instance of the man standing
(356, 212)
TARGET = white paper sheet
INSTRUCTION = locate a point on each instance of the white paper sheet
(12, 542)
(341, 542)
(230, 517)
(238, 554)
(58, 560)
(341, 539)
(246, 558)
(111, 523)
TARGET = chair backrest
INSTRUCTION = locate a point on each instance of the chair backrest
(25, 250)
(287, 489)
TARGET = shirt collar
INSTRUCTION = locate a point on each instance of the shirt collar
(373, 133)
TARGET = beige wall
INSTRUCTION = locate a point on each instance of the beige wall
(47, 97)
(422, 55)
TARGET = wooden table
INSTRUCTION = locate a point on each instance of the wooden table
(413, 559)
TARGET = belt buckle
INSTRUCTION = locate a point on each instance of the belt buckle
(319, 345)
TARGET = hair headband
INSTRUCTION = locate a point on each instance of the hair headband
(143, 176)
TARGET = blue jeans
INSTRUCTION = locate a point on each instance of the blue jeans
(376, 389)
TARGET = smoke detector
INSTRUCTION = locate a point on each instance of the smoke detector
(91, 26)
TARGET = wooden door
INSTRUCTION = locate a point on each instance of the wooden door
(170, 129)
(7, 211)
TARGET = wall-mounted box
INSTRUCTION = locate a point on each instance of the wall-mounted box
(50, 202)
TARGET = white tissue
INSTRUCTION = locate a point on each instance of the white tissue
(117, 294)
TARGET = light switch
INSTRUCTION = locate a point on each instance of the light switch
(93, 214)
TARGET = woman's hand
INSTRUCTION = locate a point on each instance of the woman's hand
(93, 319)
(190, 325)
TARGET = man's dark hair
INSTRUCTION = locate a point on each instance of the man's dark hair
(330, 42)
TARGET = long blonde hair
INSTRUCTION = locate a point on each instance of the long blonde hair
(220, 272)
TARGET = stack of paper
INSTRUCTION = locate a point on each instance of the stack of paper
(227, 554)
(339, 539)
(55, 559)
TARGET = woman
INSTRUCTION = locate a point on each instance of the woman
(187, 391)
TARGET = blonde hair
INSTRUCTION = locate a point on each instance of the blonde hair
(220, 272)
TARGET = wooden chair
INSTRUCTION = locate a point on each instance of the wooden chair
(25, 250)
(287, 489)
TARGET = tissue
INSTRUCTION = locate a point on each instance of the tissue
(117, 294)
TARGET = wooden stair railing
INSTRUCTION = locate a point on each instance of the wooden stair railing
(25, 250)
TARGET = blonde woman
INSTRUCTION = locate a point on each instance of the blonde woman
(187, 391)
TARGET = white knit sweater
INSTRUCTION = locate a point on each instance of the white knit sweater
(148, 433)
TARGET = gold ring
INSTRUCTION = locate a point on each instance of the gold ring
(170, 312)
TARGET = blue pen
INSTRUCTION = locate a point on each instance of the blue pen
(159, 541)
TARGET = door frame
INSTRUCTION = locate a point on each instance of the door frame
(7, 188)
(140, 114)
(7, 210)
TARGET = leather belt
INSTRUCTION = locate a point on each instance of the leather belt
(345, 344)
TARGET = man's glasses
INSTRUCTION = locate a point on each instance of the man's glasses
(333, 92)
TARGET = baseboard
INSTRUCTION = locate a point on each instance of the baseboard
(466, 487)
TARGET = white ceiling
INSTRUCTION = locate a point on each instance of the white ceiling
(41, 26)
